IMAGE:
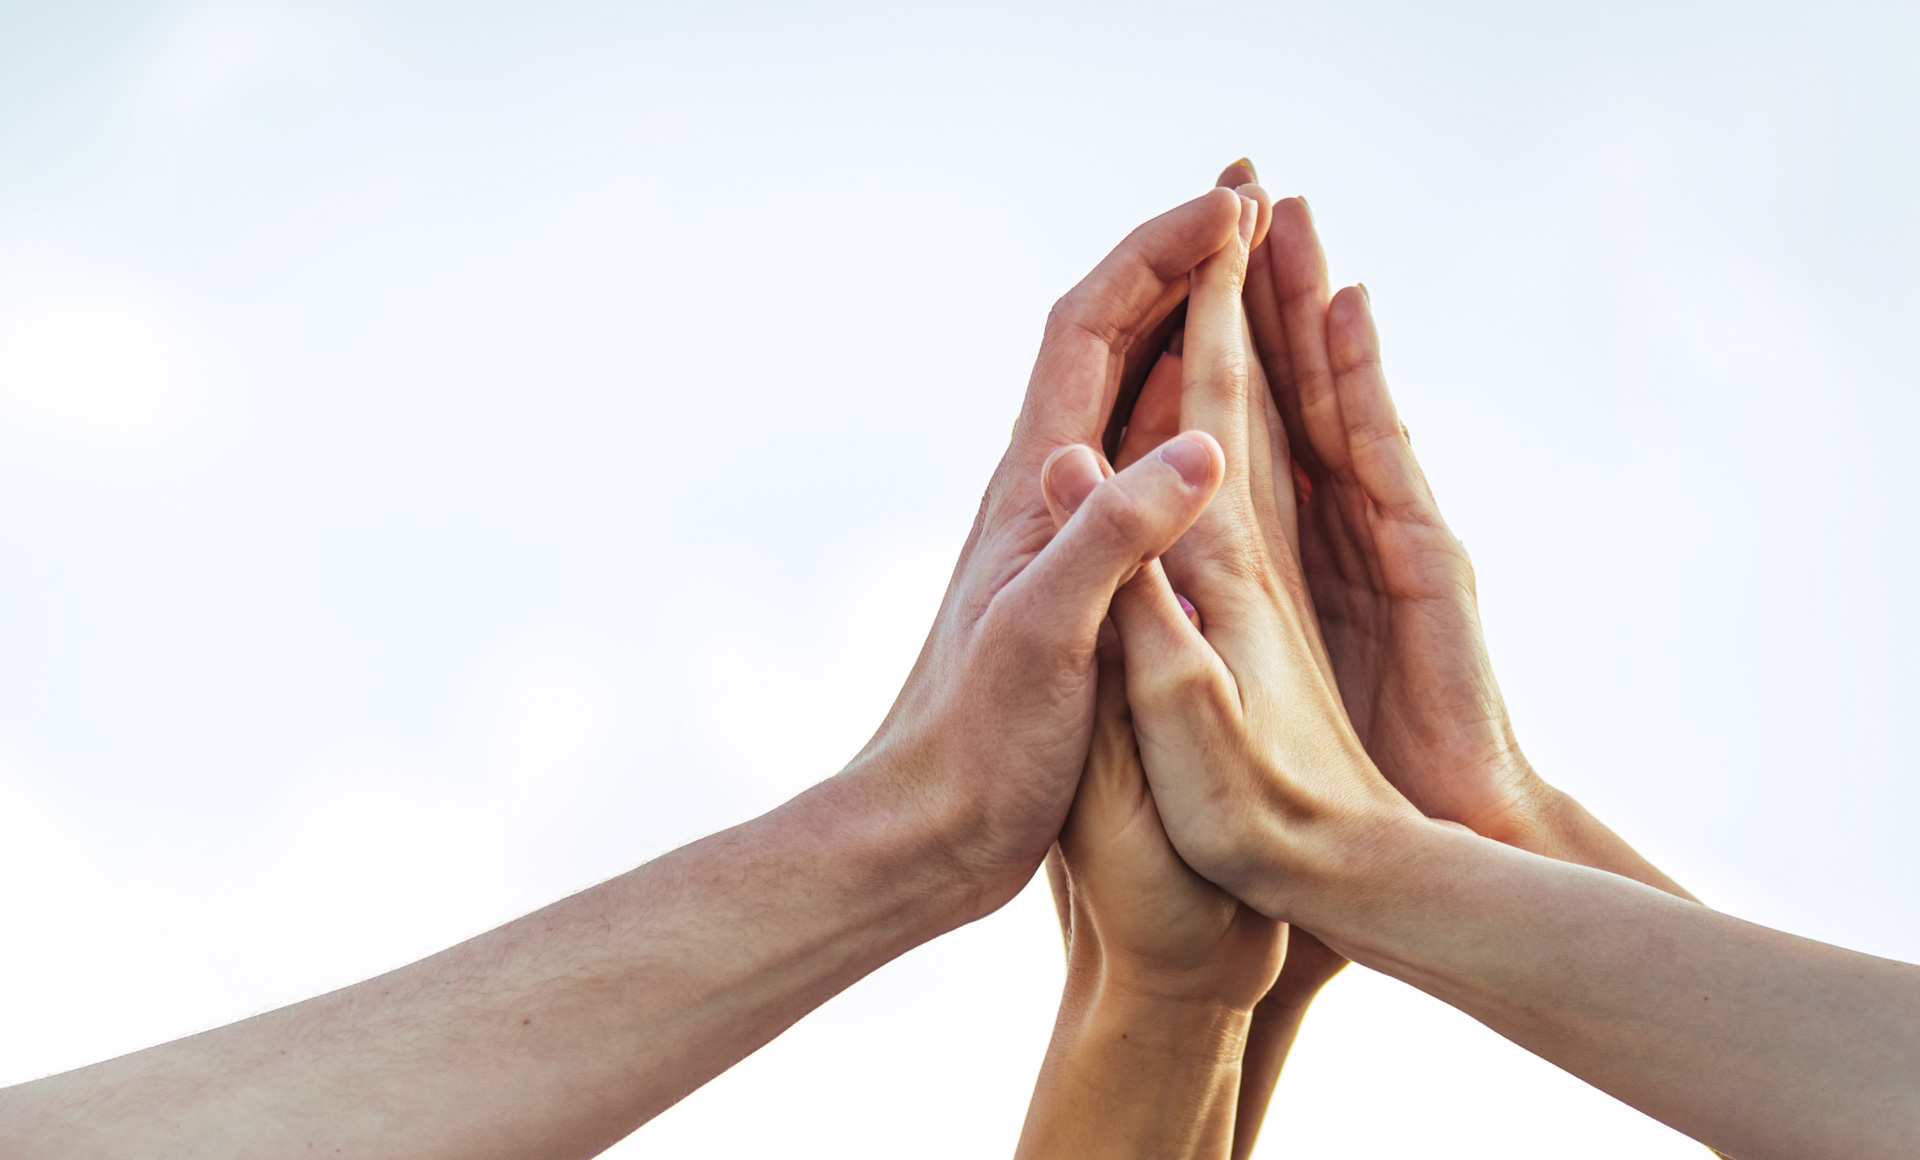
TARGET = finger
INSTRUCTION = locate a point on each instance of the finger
(1213, 387)
(1237, 174)
(1113, 527)
(1263, 320)
(1272, 466)
(1377, 449)
(1156, 414)
(1241, 178)
(1265, 221)
(1298, 268)
(1090, 330)
(1140, 359)
(1072, 471)
(1270, 478)
(1167, 657)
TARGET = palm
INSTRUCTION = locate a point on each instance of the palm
(1126, 896)
(1392, 587)
(1395, 597)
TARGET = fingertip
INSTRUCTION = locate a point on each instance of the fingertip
(1197, 457)
(1351, 338)
(1068, 477)
(1293, 212)
(1222, 207)
(1352, 301)
(1237, 173)
(1264, 222)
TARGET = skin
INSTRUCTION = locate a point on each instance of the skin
(559, 1033)
(1275, 1020)
(1392, 587)
(1393, 594)
(1164, 968)
(1753, 1041)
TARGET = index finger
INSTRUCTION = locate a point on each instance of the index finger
(1091, 329)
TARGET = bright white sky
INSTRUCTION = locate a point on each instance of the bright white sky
(449, 455)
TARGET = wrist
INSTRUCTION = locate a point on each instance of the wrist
(1372, 866)
(1553, 824)
(1532, 811)
(1222, 988)
(909, 846)
(1287, 860)
(1197, 1027)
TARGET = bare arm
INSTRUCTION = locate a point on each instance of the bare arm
(557, 1034)
(552, 1036)
(1752, 1041)
(1756, 1042)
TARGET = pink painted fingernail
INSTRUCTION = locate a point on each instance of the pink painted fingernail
(1186, 606)
(1189, 457)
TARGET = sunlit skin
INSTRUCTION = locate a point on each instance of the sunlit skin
(1753, 1041)
(1129, 907)
(1164, 968)
(557, 1034)
(1308, 734)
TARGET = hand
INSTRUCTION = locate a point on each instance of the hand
(1164, 968)
(1138, 920)
(1259, 778)
(1393, 588)
(987, 738)
(1163, 971)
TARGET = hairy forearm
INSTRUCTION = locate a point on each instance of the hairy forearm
(1128, 1077)
(1755, 1042)
(552, 1036)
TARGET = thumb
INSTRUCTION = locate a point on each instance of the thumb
(1115, 524)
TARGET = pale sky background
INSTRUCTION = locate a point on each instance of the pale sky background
(451, 453)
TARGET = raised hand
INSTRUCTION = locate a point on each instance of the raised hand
(1164, 968)
(560, 1032)
(1391, 586)
(1163, 971)
(1309, 964)
(1137, 920)
(992, 727)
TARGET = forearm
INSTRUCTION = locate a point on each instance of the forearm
(1550, 823)
(552, 1036)
(1269, 1039)
(1127, 1077)
(1756, 1042)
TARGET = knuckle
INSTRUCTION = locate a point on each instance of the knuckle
(1115, 515)
(1078, 314)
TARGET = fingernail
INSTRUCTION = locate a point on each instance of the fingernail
(1189, 457)
(1249, 217)
(1071, 475)
(1302, 198)
(1246, 163)
(1187, 607)
(1365, 293)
